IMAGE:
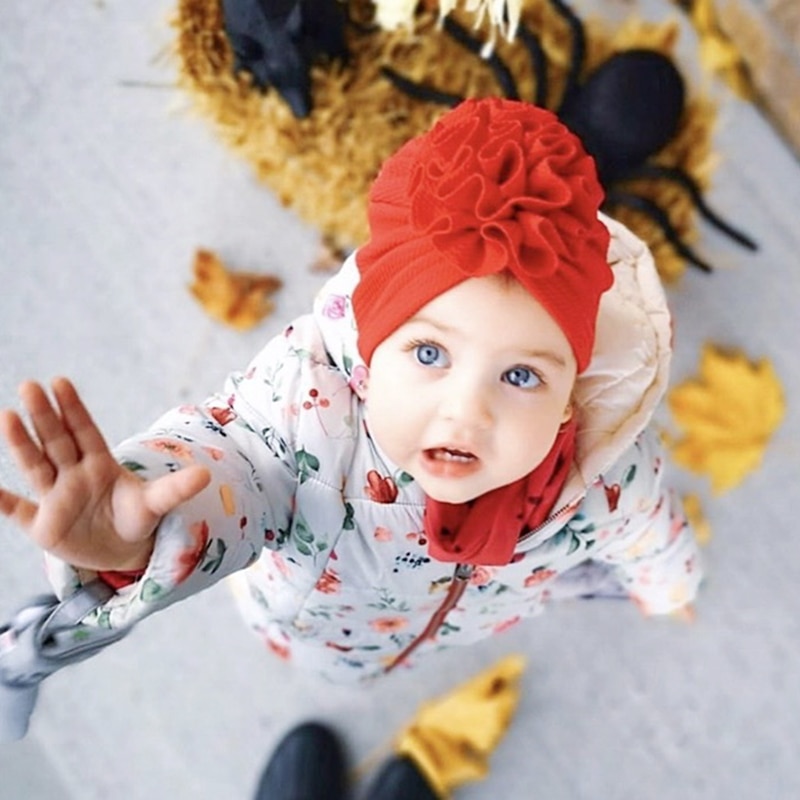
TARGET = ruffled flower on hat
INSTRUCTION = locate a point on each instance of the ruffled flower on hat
(510, 192)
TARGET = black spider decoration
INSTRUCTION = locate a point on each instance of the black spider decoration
(276, 41)
(625, 112)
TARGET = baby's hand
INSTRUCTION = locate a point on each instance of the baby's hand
(91, 512)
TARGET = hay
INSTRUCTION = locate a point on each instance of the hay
(322, 166)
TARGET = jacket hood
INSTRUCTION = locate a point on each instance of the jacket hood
(615, 397)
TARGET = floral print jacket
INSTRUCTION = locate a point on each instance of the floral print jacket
(322, 534)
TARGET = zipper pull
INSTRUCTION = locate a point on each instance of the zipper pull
(463, 572)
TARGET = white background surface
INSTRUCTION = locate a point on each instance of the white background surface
(106, 189)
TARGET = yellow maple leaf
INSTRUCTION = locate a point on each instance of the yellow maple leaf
(239, 299)
(451, 738)
(727, 414)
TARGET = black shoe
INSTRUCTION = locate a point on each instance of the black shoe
(308, 764)
(399, 779)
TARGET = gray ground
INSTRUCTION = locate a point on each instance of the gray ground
(108, 185)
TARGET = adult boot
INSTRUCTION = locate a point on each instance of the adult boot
(308, 764)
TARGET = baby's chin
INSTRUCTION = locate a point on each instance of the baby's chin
(453, 494)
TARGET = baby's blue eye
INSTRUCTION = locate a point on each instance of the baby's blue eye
(429, 355)
(522, 377)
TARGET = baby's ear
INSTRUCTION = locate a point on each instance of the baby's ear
(567, 415)
(359, 381)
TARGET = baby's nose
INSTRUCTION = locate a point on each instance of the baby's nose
(468, 403)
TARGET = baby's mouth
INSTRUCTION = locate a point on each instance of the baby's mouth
(450, 454)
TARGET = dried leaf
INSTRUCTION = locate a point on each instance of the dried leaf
(237, 299)
(728, 415)
(451, 738)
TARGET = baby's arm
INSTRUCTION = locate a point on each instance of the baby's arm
(243, 440)
(651, 545)
(89, 510)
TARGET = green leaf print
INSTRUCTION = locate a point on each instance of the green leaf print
(303, 548)
(403, 479)
(212, 566)
(133, 466)
(629, 475)
(307, 463)
(303, 533)
(151, 591)
(304, 540)
(349, 517)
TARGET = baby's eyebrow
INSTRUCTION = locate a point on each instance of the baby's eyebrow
(421, 319)
(546, 355)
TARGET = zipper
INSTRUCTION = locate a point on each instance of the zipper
(461, 576)
(552, 517)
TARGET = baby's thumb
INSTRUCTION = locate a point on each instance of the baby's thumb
(166, 493)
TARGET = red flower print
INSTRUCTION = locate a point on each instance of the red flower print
(335, 307)
(379, 489)
(223, 415)
(191, 556)
(506, 624)
(175, 449)
(612, 496)
(481, 576)
(329, 582)
(280, 649)
(539, 576)
(382, 534)
(388, 624)
(315, 400)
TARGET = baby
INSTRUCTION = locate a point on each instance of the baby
(456, 436)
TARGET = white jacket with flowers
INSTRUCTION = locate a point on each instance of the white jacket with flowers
(323, 534)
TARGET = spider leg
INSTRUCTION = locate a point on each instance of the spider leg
(578, 48)
(657, 215)
(419, 91)
(678, 176)
(538, 63)
(501, 72)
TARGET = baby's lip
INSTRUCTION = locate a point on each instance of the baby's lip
(451, 452)
(449, 462)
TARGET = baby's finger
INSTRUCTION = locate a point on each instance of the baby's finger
(30, 458)
(17, 509)
(54, 436)
(86, 434)
(165, 493)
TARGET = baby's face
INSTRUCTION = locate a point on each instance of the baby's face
(468, 395)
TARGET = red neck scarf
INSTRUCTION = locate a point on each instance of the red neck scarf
(485, 531)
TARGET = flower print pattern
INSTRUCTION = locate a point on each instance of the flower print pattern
(223, 416)
(192, 555)
(339, 540)
(505, 624)
(382, 534)
(335, 306)
(329, 582)
(482, 576)
(171, 447)
(538, 576)
(380, 489)
(388, 624)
